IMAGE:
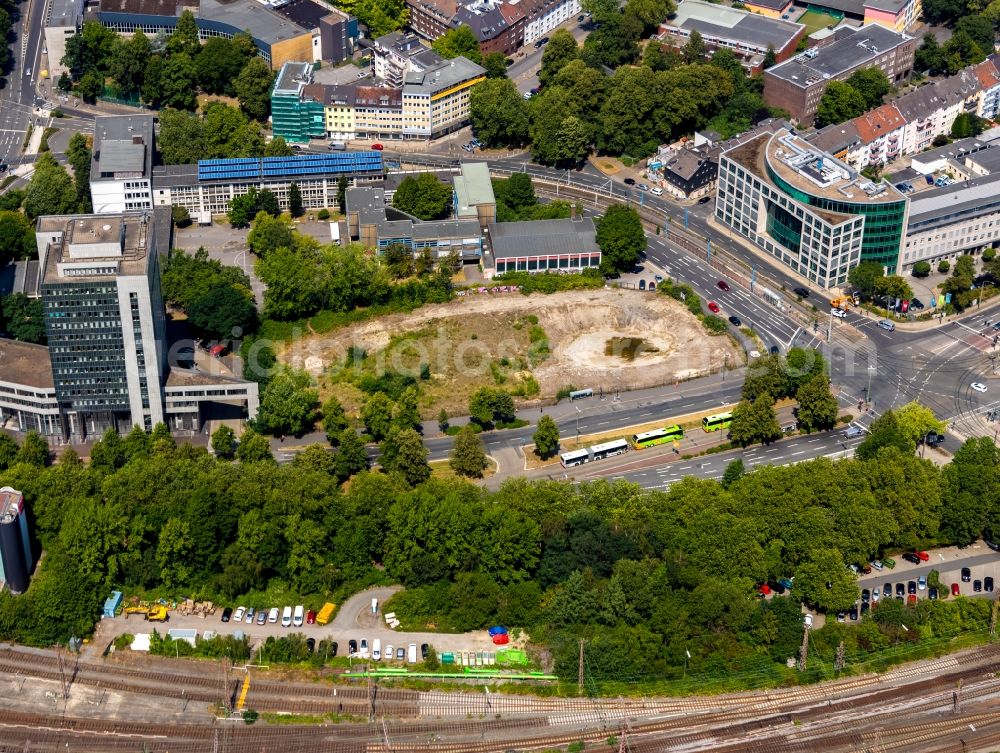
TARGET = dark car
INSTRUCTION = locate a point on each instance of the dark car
(423, 650)
(887, 591)
(933, 439)
(915, 303)
(352, 646)
(977, 586)
(786, 583)
(853, 613)
(901, 589)
(966, 575)
(735, 321)
(334, 648)
(227, 613)
(777, 588)
(932, 594)
(866, 595)
(988, 584)
(311, 644)
(704, 199)
(775, 350)
(642, 284)
(865, 606)
(911, 587)
(630, 181)
(3, 167)
(841, 616)
(722, 285)
(911, 557)
(801, 292)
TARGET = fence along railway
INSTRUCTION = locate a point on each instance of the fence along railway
(907, 706)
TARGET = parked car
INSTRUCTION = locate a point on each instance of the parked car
(722, 285)
(311, 644)
(808, 620)
(866, 595)
(777, 588)
(785, 583)
(389, 652)
(841, 616)
(238, 614)
(932, 594)
(630, 181)
(713, 307)
(911, 587)
(915, 303)
(911, 557)
(364, 647)
(900, 589)
(977, 586)
(352, 647)
(988, 584)
(911, 599)
(955, 590)
(774, 350)
(250, 616)
(966, 575)
(887, 591)
(888, 562)
(853, 613)
(704, 199)
(865, 606)
(334, 648)
(801, 292)
(877, 564)
(261, 617)
(400, 654)
(922, 582)
(311, 617)
(924, 556)
(424, 648)
(272, 616)
(377, 147)
(227, 613)
(875, 594)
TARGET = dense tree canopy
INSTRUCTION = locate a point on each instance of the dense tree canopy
(459, 40)
(424, 196)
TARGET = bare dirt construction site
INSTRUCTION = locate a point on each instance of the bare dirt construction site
(532, 346)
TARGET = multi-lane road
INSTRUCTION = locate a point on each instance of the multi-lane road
(18, 98)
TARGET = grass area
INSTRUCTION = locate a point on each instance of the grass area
(275, 718)
(814, 21)
(443, 469)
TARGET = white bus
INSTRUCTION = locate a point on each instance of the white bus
(335, 232)
(576, 457)
(607, 449)
(577, 394)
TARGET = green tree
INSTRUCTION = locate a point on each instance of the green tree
(921, 269)
(496, 65)
(979, 29)
(173, 552)
(770, 58)
(253, 89)
(498, 113)
(864, 277)
(177, 83)
(17, 238)
(278, 147)
(352, 457)
(253, 448)
(733, 473)
(129, 62)
(468, 457)
(8, 451)
(406, 412)
(840, 102)
(334, 420)
(424, 197)
(377, 415)
(601, 10)
(224, 442)
(817, 407)
(90, 86)
(929, 56)
(23, 318)
(180, 216)
(966, 125)
(754, 422)
(459, 40)
(342, 192)
(651, 12)
(269, 233)
(488, 406)
(51, 190)
(404, 453)
(884, 432)
(916, 421)
(546, 437)
(621, 238)
(872, 84)
(184, 38)
(893, 287)
(694, 50)
(970, 491)
(223, 312)
(295, 201)
(181, 139)
(768, 376)
(34, 450)
(960, 51)
(91, 49)
(560, 50)
(824, 582)
(219, 64)
(558, 136)
(289, 404)
(517, 192)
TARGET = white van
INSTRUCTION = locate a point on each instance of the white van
(272, 616)
(377, 649)
(411, 653)
(286, 617)
(656, 191)
(886, 324)
(300, 612)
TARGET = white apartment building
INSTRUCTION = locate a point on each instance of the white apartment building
(122, 164)
(544, 16)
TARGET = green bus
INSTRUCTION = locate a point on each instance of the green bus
(657, 436)
(716, 422)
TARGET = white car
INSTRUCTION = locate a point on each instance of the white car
(642, 187)
(877, 564)
(238, 614)
(978, 386)
(754, 354)
(922, 582)
(840, 313)
(876, 594)
(808, 620)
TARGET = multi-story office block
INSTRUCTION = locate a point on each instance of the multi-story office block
(815, 214)
(104, 318)
(122, 164)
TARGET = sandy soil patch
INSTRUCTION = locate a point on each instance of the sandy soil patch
(464, 341)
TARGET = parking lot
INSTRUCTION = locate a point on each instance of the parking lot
(354, 620)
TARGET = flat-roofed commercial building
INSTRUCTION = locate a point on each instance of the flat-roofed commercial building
(473, 198)
(568, 245)
(62, 20)
(305, 30)
(747, 34)
(121, 166)
(207, 188)
(807, 209)
(797, 85)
